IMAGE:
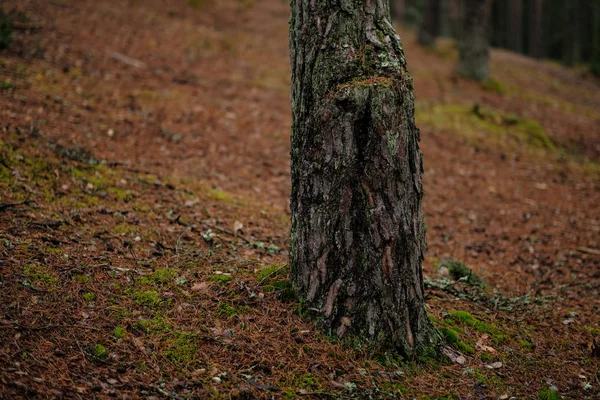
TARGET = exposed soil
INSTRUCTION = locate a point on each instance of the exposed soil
(144, 177)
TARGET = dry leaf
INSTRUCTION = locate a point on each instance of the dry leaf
(482, 346)
(453, 355)
(495, 365)
(237, 226)
(200, 286)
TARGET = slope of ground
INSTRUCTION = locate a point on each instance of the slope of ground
(144, 183)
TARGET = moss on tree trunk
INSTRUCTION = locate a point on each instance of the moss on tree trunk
(358, 236)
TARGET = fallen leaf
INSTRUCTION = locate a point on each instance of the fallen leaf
(200, 286)
(237, 227)
(453, 355)
(482, 346)
(495, 365)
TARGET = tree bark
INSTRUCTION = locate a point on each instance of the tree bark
(536, 46)
(357, 237)
(430, 27)
(473, 47)
(515, 25)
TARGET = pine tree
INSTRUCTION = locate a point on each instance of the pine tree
(357, 237)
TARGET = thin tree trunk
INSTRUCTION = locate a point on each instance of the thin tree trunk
(473, 48)
(445, 27)
(596, 38)
(536, 46)
(357, 237)
(515, 25)
(571, 37)
(429, 29)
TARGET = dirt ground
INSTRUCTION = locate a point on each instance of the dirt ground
(144, 215)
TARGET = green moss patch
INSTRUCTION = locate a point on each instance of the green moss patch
(183, 348)
(475, 121)
(460, 272)
(148, 298)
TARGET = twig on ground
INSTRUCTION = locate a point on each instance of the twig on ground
(587, 250)
(6, 206)
(45, 327)
(177, 243)
(127, 60)
(225, 231)
(165, 393)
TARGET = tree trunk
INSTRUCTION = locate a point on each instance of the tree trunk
(445, 24)
(571, 37)
(430, 26)
(473, 47)
(596, 38)
(358, 237)
(536, 46)
(515, 25)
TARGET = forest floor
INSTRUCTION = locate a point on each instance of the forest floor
(144, 216)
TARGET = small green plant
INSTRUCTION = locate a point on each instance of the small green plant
(222, 279)
(82, 278)
(183, 348)
(36, 276)
(4, 85)
(100, 351)
(162, 276)
(450, 335)
(226, 310)
(148, 298)
(159, 323)
(525, 344)
(119, 332)
(466, 318)
(549, 395)
(88, 296)
(460, 272)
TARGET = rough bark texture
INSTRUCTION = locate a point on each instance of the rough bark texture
(473, 47)
(536, 12)
(430, 26)
(358, 237)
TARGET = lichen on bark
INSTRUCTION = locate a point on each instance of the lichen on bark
(358, 237)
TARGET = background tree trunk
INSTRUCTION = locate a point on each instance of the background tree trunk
(473, 47)
(536, 46)
(596, 37)
(571, 37)
(430, 26)
(515, 25)
(357, 238)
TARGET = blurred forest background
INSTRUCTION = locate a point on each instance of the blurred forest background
(567, 31)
